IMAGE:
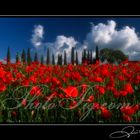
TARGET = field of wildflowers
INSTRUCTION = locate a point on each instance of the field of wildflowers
(95, 93)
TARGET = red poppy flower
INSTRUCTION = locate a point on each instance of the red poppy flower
(2, 72)
(121, 78)
(98, 79)
(25, 82)
(136, 107)
(128, 88)
(2, 87)
(90, 99)
(123, 93)
(84, 88)
(128, 110)
(116, 93)
(33, 79)
(71, 91)
(76, 76)
(106, 114)
(36, 103)
(73, 104)
(127, 118)
(96, 106)
(13, 113)
(61, 96)
(35, 91)
(105, 72)
(100, 89)
(24, 102)
(55, 81)
(50, 97)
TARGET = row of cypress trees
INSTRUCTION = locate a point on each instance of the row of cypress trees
(86, 57)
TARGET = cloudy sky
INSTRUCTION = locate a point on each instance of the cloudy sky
(61, 34)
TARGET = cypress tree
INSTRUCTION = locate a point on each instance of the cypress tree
(53, 60)
(23, 56)
(76, 58)
(17, 58)
(72, 55)
(36, 57)
(84, 56)
(29, 60)
(42, 59)
(65, 58)
(88, 56)
(97, 53)
(8, 55)
(60, 59)
(59, 62)
(48, 57)
(91, 57)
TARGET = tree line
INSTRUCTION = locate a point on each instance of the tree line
(87, 57)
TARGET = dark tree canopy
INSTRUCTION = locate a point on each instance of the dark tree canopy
(112, 56)
(119, 56)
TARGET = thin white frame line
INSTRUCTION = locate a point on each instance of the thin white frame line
(69, 16)
(70, 124)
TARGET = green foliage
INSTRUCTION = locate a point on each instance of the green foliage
(112, 56)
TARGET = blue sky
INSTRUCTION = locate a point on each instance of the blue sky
(17, 32)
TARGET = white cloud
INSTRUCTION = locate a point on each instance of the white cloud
(107, 36)
(63, 43)
(37, 35)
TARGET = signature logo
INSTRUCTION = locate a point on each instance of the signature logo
(125, 132)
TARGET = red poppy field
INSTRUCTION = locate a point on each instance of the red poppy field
(96, 93)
